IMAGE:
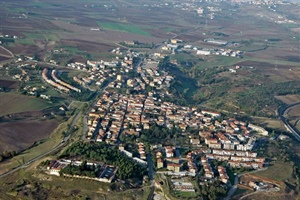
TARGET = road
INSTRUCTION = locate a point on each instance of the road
(232, 189)
(249, 194)
(11, 55)
(48, 152)
(236, 181)
(156, 45)
(282, 113)
(151, 175)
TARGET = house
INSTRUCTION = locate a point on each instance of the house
(55, 166)
(160, 163)
(173, 160)
(194, 141)
(173, 167)
(203, 52)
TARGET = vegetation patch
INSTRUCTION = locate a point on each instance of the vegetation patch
(129, 28)
(107, 154)
(14, 103)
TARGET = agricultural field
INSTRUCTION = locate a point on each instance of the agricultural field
(15, 103)
(267, 76)
(279, 171)
(269, 123)
(25, 132)
(123, 28)
(289, 99)
(9, 84)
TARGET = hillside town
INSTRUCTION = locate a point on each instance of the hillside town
(130, 105)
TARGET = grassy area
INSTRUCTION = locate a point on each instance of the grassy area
(52, 92)
(73, 50)
(273, 61)
(253, 47)
(40, 4)
(25, 41)
(274, 124)
(15, 103)
(17, 10)
(240, 191)
(129, 28)
(168, 29)
(219, 61)
(165, 186)
(185, 194)
(280, 171)
(30, 37)
(231, 176)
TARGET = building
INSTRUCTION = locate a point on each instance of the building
(160, 163)
(173, 167)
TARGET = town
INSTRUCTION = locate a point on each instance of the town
(130, 106)
(159, 100)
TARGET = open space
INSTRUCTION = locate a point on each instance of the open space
(279, 171)
(15, 103)
(130, 28)
(25, 132)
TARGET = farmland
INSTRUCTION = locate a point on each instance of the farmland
(123, 27)
(280, 171)
(15, 103)
(25, 132)
(251, 84)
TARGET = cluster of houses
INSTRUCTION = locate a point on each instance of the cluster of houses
(98, 72)
(24, 75)
(220, 52)
(175, 46)
(153, 78)
(35, 91)
(59, 84)
(106, 117)
(129, 114)
(263, 186)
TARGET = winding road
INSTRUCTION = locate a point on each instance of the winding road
(11, 55)
(282, 113)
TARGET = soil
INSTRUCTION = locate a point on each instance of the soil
(8, 84)
(21, 135)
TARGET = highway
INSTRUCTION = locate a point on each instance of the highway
(282, 113)
(48, 152)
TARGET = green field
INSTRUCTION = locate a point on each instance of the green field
(17, 10)
(15, 103)
(129, 28)
(280, 171)
(185, 194)
(30, 37)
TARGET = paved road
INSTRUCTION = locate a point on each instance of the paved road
(282, 113)
(48, 152)
(232, 189)
(236, 181)
(151, 175)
